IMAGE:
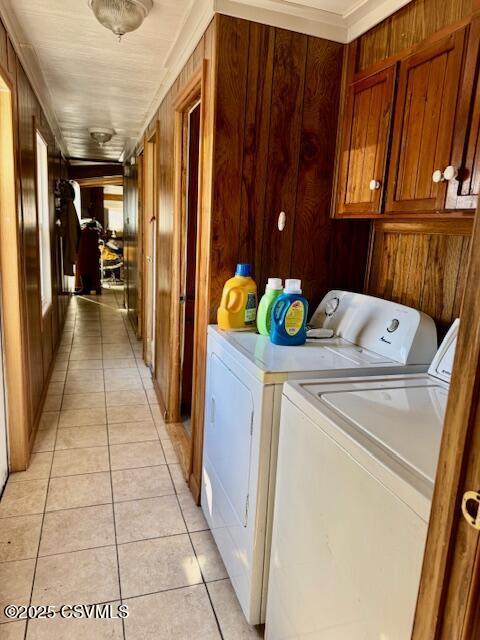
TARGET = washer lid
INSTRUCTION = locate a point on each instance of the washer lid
(404, 420)
(329, 354)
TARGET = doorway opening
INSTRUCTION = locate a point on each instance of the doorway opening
(149, 212)
(190, 197)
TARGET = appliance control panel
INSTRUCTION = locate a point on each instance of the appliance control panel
(390, 329)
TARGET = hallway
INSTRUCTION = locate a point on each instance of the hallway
(103, 514)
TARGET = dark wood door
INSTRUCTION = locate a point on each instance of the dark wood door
(364, 143)
(189, 295)
(464, 188)
(423, 128)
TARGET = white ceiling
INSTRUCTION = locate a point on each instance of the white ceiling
(86, 78)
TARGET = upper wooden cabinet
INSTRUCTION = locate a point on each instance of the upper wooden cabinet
(364, 143)
(463, 190)
(424, 125)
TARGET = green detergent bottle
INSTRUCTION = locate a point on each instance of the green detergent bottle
(264, 316)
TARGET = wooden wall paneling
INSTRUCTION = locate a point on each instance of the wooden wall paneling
(407, 27)
(290, 56)
(26, 113)
(256, 142)
(231, 96)
(14, 347)
(422, 265)
(311, 236)
(164, 253)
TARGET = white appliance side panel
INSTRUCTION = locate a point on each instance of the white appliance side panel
(346, 552)
(235, 503)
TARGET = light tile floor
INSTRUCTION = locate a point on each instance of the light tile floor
(103, 514)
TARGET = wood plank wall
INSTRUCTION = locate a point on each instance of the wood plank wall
(276, 118)
(423, 263)
(41, 335)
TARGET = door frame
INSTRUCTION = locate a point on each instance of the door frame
(150, 166)
(193, 92)
(448, 606)
(15, 355)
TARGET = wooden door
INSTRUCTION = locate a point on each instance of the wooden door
(423, 127)
(364, 143)
(448, 606)
(463, 190)
(190, 253)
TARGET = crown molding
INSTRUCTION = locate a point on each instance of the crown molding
(287, 15)
(368, 13)
(277, 13)
(29, 61)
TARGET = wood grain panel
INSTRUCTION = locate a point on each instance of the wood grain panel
(421, 266)
(311, 233)
(231, 96)
(39, 337)
(288, 85)
(257, 133)
(423, 127)
(464, 190)
(411, 25)
(364, 143)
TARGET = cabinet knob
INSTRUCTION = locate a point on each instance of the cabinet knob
(450, 172)
(374, 185)
(282, 220)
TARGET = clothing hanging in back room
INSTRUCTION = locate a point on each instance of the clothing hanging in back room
(69, 227)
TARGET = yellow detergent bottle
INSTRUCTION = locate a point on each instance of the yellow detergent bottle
(238, 308)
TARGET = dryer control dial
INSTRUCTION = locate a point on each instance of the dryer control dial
(331, 306)
(393, 325)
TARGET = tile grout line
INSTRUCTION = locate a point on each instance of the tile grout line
(113, 503)
(45, 506)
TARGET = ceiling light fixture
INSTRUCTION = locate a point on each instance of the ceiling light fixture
(121, 16)
(101, 135)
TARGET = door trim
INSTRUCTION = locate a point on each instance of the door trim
(15, 340)
(449, 595)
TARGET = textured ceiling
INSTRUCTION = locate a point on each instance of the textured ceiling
(93, 80)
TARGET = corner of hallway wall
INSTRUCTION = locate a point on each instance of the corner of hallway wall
(40, 334)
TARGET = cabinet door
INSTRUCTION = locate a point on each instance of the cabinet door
(364, 143)
(464, 188)
(423, 127)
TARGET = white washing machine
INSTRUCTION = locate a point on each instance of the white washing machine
(245, 376)
(355, 476)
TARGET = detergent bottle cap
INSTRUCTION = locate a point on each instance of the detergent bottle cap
(293, 286)
(243, 269)
(274, 284)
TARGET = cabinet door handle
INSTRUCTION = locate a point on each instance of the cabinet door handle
(374, 185)
(471, 508)
(449, 173)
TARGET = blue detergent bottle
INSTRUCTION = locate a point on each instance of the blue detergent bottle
(289, 316)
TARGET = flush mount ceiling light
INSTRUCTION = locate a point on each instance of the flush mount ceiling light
(121, 16)
(101, 135)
